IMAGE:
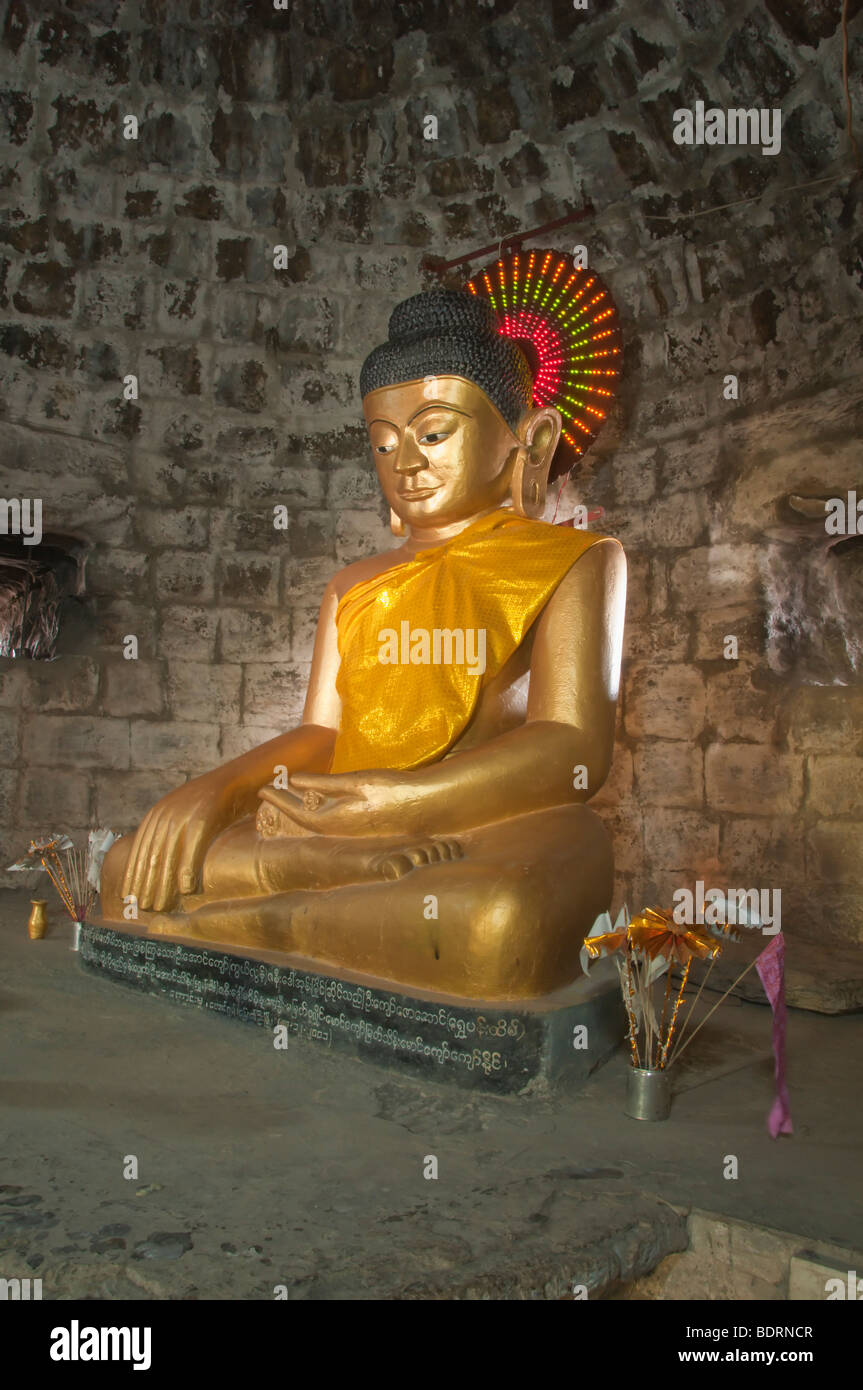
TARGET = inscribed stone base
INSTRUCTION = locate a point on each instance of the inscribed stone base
(503, 1047)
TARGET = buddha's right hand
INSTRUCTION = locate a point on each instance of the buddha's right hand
(170, 843)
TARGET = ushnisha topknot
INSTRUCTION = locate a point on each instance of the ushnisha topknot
(451, 333)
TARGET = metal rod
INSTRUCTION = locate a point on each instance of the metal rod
(439, 266)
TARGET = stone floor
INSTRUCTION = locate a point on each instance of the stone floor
(259, 1168)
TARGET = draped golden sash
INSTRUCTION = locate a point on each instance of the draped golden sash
(406, 697)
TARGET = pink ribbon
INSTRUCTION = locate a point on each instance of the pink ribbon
(771, 967)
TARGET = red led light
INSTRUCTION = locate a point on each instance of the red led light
(570, 319)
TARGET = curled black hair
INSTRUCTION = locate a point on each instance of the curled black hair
(451, 333)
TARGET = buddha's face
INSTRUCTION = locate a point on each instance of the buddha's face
(442, 450)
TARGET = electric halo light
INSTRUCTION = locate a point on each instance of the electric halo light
(570, 318)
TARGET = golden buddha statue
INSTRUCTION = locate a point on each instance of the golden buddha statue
(426, 823)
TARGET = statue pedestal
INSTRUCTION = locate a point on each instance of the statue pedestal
(484, 1045)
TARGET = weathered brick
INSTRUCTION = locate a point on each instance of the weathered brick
(42, 349)
(328, 390)
(86, 189)
(307, 325)
(116, 619)
(292, 487)
(169, 63)
(665, 702)
(716, 576)
(133, 687)
(274, 694)
(168, 139)
(657, 639)
(143, 203)
(359, 533)
(249, 147)
(46, 289)
(175, 745)
(63, 798)
(124, 798)
(304, 581)
(238, 739)
(204, 201)
(745, 622)
(252, 579)
(305, 626)
(9, 800)
(249, 445)
(73, 740)
(16, 114)
(86, 243)
(312, 533)
(69, 683)
(182, 575)
(834, 852)
(187, 435)
(188, 632)
(174, 369)
(80, 123)
(112, 571)
(15, 676)
(669, 774)
(836, 786)
(753, 780)
(242, 386)
(9, 735)
(180, 309)
(27, 235)
(686, 841)
(737, 709)
(250, 530)
(116, 300)
(824, 719)
(164, 529)
(348, 487)
(199, 691)
(247, 635)
(635, 476)
(331, 153)
(762, 849)
(676, 521)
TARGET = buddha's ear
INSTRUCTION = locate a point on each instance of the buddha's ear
(538, 433)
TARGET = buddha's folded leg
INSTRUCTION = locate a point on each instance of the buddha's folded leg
(240, 863)
(505, 921)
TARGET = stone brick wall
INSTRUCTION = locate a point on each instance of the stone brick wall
(304, 128)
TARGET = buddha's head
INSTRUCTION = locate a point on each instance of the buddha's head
(447, 400)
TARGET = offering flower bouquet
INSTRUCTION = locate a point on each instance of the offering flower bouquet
(75, 873)
(651, 945)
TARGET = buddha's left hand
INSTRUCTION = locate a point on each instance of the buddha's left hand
(349, 803)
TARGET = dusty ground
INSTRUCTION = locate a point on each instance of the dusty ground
(259, 1168)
